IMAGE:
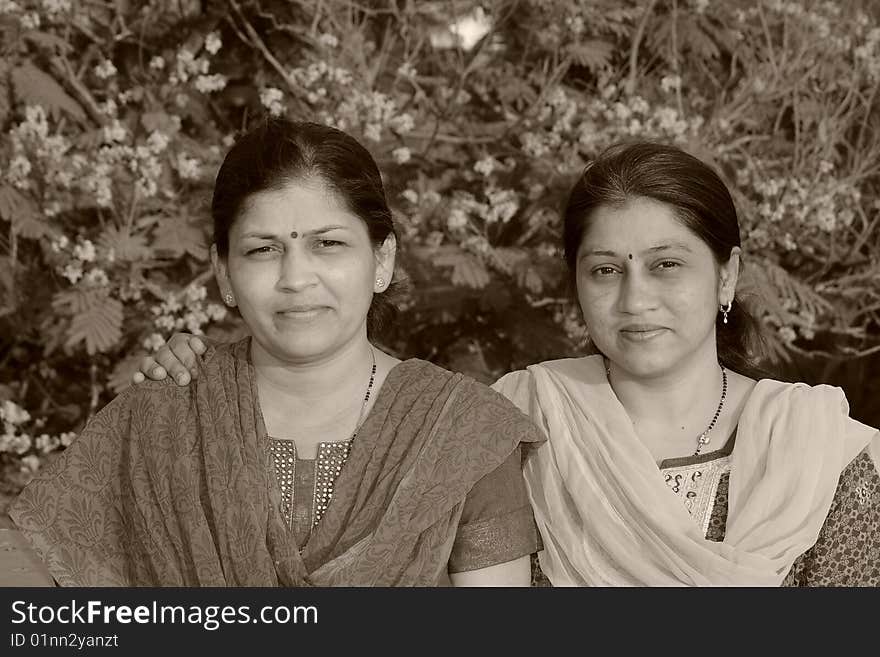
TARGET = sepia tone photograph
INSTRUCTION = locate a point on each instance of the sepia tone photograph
(398, 293)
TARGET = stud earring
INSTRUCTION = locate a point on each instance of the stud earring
(726, 310)
(380, 282)
(229, 299)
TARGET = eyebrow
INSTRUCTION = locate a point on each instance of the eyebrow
(669, 247)
(654, 249)
(273, 236)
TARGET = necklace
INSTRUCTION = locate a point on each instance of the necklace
(703, 439)
(370, 389)
(284, 457)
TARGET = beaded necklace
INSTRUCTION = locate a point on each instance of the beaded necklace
(703, 439)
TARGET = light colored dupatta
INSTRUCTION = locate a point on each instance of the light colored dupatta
(607, 518)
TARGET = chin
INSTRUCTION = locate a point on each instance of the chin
(643, 365)
(303, 349)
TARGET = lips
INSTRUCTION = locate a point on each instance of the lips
(301, 312)
(641, 332)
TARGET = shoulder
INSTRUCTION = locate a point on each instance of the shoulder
(217, 358)
(416, 368)
(585, 368)
(152, 392)
(783, 395)
(522, 386)
(472, 392)
(479, 409)
(819, 408)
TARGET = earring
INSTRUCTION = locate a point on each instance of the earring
(380, 282)
(229, 299)
(724, 311)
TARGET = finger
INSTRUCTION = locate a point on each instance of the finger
(150, 368)
(138, 377)
(197, 346)
(185, 355)
(171, 362)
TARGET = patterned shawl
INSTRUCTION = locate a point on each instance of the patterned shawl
(607, 518)
(171, 486)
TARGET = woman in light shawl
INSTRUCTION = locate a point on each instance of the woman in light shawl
(671, 460)
(303, 454)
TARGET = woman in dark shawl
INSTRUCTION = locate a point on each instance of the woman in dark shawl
(302, 454)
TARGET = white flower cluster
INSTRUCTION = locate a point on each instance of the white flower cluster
(187, 66)
(824, 22)
(188, 167)
(797, 203)
(500, 205)
(555, 121)
(9, 7)
(54, 7)
(271, 98)
(69, 177)
(17, 439)
(213, 43)
(401, 155)
(869, 54)
(80, 262)
(634, 117)
(328, 40)
(186, 310)
(486, 165)
(317, 76)
(373, 112)
(105, 69)
(31, 139)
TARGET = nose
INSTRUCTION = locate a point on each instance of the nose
(298, 271)
(636, 294)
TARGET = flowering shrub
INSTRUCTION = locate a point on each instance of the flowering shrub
(116, 116)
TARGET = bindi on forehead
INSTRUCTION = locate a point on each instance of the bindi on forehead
(294, 234)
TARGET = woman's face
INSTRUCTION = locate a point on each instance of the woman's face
(302, 271)
(649, 288)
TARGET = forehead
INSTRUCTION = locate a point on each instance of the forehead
(300, 205)
(639, 224)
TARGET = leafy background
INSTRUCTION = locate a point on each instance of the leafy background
(115, 116)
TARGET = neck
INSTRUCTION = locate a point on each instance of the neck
(342, 375)
(681, 397)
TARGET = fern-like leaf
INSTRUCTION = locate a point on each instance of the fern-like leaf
(176, 236)
(126, 246)
(96, 318)
(22, 213)
(594, 54)
(120, 377)
(467, 270)
(36, 87)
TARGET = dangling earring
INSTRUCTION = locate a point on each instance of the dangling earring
(229, 299)
(724, 311)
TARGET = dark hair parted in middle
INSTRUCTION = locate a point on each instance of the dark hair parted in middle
(698, 198)
(278, 152)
